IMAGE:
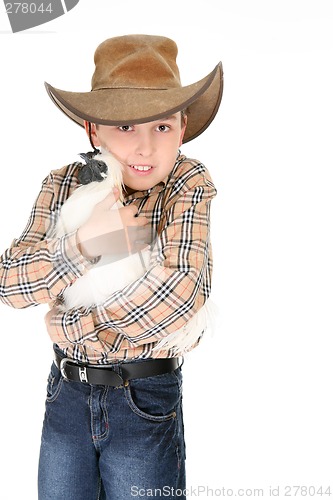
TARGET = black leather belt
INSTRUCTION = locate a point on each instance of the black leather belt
(106, 375)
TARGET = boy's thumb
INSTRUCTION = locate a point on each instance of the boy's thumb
(116, 194)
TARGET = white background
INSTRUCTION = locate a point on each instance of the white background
(258, 393)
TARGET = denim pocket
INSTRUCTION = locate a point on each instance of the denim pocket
(155, 398)
(54, 384)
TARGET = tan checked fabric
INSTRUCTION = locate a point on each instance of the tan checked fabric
(37, 268)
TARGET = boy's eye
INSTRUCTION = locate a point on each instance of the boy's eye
(125, 128)
(163, 128)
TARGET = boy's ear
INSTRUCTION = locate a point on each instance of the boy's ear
(91, 133)
(183, 131)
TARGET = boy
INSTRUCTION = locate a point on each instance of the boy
(113, 424)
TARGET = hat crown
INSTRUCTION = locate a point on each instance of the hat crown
(136, 61)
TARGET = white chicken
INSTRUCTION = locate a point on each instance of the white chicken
(107, 275)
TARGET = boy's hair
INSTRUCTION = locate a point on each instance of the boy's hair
(183, 116)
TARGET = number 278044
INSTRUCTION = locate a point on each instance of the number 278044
(27, 8)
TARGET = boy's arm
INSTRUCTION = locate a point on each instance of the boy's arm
(166, 297)
(37, 267)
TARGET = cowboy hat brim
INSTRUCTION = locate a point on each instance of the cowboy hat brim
(130, 106)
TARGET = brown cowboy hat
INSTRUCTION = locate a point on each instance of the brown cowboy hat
(136, 80)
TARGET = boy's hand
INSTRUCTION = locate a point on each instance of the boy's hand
(116, 232)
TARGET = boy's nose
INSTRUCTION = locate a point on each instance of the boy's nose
(144, 145)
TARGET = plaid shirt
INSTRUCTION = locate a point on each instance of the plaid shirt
(37, 268)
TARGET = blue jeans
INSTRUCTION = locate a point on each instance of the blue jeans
(106, 443)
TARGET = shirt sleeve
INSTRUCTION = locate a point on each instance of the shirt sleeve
(37, 267)
(166, 297)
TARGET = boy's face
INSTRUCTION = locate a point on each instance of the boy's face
(148, 151)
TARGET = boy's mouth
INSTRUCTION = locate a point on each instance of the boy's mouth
(141, 169)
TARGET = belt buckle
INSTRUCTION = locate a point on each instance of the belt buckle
(62, 367)
(82, 369)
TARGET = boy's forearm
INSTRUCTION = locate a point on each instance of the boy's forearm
(158, 306)
(37, 274)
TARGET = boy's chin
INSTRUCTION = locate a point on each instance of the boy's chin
(141, 185)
